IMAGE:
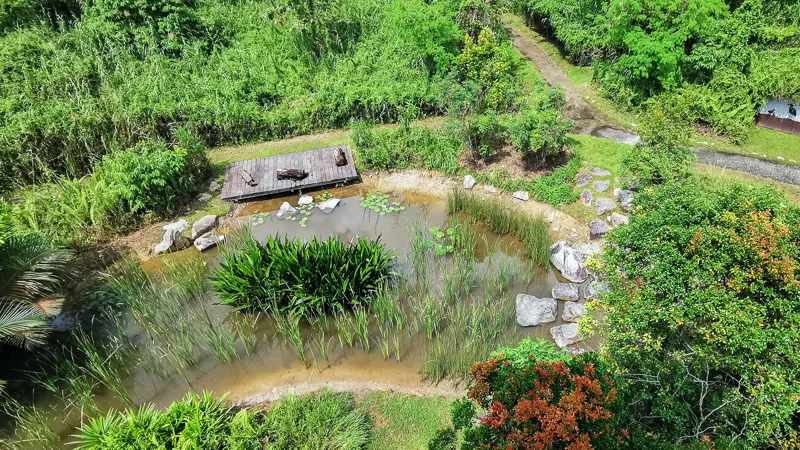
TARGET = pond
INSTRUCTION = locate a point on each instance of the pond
(397, 358)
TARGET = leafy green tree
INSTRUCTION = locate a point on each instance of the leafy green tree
(653, 37)
(703, 311)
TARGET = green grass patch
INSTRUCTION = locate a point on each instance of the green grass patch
(716, 176)
(402, 421)
(599, 152)
(761, 143)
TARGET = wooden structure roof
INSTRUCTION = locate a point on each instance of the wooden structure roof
(319, 163)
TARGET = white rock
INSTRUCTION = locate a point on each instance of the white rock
(328, 205)
(618, 219)
(286, 210)
(489, 189)
(566, 291)
(305, 200)
(565, 335)
(781, 158)
(521, 195)
(204, 225)
(173, 235)
(214, 186)
(469, 181)
(208, 240)
(532, 311)
(616, 192)
(573, 311)
(603, 205)
(566, 260)
(204, 197)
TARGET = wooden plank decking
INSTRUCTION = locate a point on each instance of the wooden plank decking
(319, 163)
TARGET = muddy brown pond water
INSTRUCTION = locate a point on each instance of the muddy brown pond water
(272, 368)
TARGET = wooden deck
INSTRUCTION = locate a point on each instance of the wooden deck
(319, 163)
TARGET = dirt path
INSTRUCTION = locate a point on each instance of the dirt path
(588, 120)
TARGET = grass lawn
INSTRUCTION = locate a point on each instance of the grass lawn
(402, 421)
(717, 176)
(762, 143)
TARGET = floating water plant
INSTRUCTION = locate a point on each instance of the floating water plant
(258, 218)
(442, 242)
(380, 204)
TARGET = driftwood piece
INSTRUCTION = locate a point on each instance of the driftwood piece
(292, 174)
(248, 179)
(341, 159)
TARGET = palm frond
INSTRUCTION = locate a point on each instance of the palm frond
(22, 324)
(30, 268)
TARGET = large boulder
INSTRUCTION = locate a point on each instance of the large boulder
(566, 334)
(286, 210)
(328, 205)
(173, 236)
(533, 311)
(469, 181)
(521, 195)
(208, 240)
(567, 261)
(573, 311)
(204, 225)
(566, 291)
(604, 205)
(598, 228)
(586, 197)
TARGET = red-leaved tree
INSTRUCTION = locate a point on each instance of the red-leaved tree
(571, 405)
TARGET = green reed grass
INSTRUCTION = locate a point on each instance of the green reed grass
(105, 363)
(288, 325)
(503, 219)
(361, 323)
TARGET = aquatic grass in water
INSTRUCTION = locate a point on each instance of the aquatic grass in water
(288, 274)
(502, 219)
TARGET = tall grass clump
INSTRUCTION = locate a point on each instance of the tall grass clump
(502, 219)
(288, 274)
(324, 420)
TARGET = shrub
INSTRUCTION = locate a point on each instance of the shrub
(664, 154)
(527, 349)
(539, 135)
(491, 67)
(482, 133)
(406, 147)
(462, 412)
(444, 439)
(324, 420)
(567, 404)
(287, 274)
(702, 312)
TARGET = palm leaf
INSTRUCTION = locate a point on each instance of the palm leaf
(22, 324)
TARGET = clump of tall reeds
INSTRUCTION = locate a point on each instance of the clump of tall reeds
(502, 219)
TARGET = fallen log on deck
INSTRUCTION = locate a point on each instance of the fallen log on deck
(292, 174)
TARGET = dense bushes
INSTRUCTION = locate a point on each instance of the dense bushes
(233, 71)
(557, 402)
(285, 274)
(325, 420)
(147, 179)
(702, 313)
(718, 60)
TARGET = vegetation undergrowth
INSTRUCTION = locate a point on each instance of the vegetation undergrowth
(323, 420)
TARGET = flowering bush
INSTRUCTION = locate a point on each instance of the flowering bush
(570, 404)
